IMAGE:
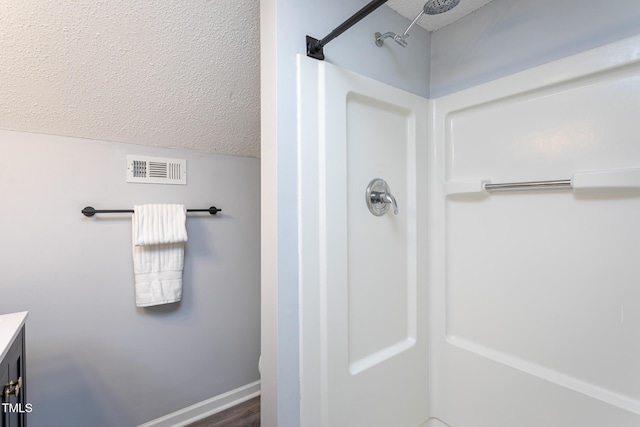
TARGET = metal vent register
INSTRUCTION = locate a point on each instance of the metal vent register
(156, 170)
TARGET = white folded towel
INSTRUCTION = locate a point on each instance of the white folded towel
(158, 236)
(156, 224)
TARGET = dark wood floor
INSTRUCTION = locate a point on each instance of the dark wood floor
(246, 414)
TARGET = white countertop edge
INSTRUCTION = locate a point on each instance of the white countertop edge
(10, 325)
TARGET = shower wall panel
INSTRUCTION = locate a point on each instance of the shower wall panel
(381, 253)
(536, 296)
(365, 344)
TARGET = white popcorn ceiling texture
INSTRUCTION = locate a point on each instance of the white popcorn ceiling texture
(172, 73)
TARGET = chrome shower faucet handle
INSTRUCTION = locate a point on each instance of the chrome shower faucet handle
(378, 197)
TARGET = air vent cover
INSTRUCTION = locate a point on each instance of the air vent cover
(156, 170)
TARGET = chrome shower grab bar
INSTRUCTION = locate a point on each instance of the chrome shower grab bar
(530, 185)
(583, 181)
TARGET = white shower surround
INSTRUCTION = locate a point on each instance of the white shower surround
(533, 305)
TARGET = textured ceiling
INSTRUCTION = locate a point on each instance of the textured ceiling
(169, 73)
(174, 73)
(410, 9)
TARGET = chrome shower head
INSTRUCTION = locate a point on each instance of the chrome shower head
(431, 7)
(436, 7)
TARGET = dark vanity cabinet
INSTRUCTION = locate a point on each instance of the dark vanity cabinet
(14, 409)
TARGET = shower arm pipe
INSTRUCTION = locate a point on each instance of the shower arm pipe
(315, 46)
(401, 40)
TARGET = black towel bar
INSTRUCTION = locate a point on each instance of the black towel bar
(89, 211)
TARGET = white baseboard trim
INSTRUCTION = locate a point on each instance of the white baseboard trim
(207, 407)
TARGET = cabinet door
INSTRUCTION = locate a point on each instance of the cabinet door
(13, 367)
(4, 379)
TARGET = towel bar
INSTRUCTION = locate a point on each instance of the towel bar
(89, 211)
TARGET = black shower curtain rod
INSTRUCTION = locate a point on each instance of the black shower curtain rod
(89, 211)
(314, 46)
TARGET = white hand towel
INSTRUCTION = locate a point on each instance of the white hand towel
(157, 223)
(158, 236)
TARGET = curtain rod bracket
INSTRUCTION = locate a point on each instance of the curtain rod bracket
(313, 50)
(314, 46)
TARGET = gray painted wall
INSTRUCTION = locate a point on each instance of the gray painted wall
(508, 36)
(284, 25)
(94, 358)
